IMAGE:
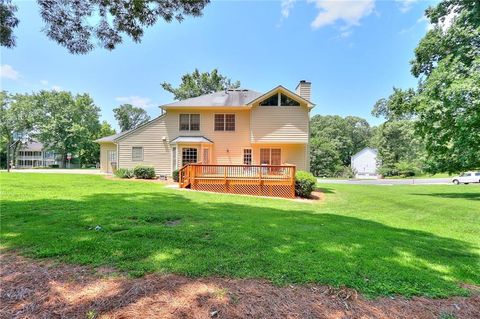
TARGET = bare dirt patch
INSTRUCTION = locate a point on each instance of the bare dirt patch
(44, 289)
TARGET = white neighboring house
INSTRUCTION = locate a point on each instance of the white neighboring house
(34, 154)
(364, 163)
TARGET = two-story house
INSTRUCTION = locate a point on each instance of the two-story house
(235, 126)
(34, 154)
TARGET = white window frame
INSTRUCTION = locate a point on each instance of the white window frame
(174, 158)
(137, 160)
(251, 155)
(279, 101)
(225, 122)
(197, 152)
(189, 122)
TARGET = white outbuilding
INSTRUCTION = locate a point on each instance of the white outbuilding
(364, 163)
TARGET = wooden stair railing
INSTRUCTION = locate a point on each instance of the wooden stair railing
(264, 180)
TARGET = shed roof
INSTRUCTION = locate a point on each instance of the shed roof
(191, 139)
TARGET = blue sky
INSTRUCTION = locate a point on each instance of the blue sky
(353, 52)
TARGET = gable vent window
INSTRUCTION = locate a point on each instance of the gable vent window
(279, 99)
(189, 122)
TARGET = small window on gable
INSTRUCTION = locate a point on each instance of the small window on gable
(279, 99)
(271, 101)
(286, 101)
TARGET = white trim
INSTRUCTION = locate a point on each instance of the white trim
(174, 165)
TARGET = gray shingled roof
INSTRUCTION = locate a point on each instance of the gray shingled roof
(32, 146)
(111, 138)
(233, 97)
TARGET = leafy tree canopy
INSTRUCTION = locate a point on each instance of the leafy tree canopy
(68, 124)
(130, 117)
(334, 140)
(105, 130)
(446, 103)
(195, 84)
(79, 24)
(400, 151)
(8, 23)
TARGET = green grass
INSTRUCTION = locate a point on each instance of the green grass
(381, 240)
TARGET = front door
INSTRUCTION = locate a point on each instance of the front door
(111, 161)
(206, 156)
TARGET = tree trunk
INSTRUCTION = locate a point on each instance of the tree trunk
(8, 153)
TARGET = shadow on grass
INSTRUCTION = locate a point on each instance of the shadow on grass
(238, 240)
(464, 195)
(325, 190)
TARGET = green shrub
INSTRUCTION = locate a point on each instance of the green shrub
(144, 172)
(54, 166)
(304, 183)
(124, 173)
(175, 175)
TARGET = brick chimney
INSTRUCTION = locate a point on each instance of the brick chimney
(304, 89)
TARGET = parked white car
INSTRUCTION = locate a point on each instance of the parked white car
(467, 177)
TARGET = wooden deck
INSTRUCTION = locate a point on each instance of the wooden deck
(260, 180)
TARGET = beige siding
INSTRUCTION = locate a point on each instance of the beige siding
(156, 152)
(279, 124)
(104, 148)
(290, 154)
(228, 146)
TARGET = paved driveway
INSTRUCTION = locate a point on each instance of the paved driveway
(59, 171)
(407, 181)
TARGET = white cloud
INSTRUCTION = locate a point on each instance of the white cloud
(349, 12)
(143, 102)
(44, 82)
(56, 88)
(406, 5)
(286, 6)
(8, 72)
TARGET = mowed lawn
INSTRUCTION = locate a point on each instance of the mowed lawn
(381, 240)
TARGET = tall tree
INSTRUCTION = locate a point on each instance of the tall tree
(130, 117)
(16, 121)
(334, 140)
(70, 23)
(68, 124)
(400, 152)
(446, 103)
(195, 84)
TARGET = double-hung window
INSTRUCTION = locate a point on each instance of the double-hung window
(189, 122)
(137, 153)
(225, 122)
(247, 156)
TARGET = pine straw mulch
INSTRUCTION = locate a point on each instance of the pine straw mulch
(45, 289)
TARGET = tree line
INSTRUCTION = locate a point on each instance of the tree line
(335, 139)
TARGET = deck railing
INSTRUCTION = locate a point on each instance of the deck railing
(264, 180)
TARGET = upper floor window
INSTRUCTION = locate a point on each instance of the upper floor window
(279, 99)
(224, 122)
(189, 122)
